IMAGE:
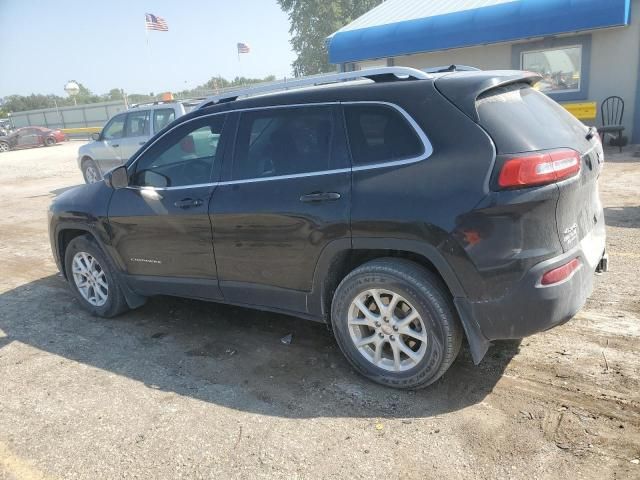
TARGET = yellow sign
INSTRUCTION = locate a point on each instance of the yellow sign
(583, 110)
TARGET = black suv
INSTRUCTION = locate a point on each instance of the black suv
(405, 209)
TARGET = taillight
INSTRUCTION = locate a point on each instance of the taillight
(561, 273)
(539, 168)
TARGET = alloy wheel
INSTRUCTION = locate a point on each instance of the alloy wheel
(90, 279)
(387, 330)
(91, 174)
(4, 147)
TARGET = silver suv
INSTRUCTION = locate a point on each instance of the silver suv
(123, 135)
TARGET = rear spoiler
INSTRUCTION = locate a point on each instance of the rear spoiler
(464, 88)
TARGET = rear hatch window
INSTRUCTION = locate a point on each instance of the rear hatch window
(521, 119)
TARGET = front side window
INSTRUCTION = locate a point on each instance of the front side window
(183, 157)
(283, 141)
(379, 133)
(137, 124)
(115, 128)
(162, 117)
(559, 67)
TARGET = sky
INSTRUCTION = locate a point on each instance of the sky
(103, 45)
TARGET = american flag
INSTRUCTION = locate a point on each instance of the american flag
(153, 22)
(243, 48)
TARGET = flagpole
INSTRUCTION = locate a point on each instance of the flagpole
(239, 63)
(146, 32)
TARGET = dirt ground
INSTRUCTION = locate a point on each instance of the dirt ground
(187, 389)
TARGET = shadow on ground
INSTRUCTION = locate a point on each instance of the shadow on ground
(613, 155)
(231, 356)
(628, 217)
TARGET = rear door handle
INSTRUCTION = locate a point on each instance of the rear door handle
(319, 197)
(188, 203)
(141, 143)
(115, 146)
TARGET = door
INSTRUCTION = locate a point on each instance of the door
(286, 197)
(106, 150)
(27, 137)
(161, 227)
(136, 132)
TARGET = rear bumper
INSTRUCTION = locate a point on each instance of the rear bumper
(530, 307)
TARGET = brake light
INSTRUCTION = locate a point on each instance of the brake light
(539, 168)
(559, 274)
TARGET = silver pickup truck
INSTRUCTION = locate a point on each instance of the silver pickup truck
(123, 135)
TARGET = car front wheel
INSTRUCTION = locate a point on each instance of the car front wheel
(90, 172)
(50, 141)
(92, 278)
(396, 324)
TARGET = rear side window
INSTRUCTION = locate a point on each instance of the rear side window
(521, 119)
(283, 141)
(137, 124)
(378, 133)
(162, 117)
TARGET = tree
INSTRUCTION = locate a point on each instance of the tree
(312, 21)
(114, 94)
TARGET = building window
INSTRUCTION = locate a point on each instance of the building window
(560, 68)
(563, 63)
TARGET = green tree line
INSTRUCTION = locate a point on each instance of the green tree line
(35, 101)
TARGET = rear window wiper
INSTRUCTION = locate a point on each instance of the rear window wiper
(591, 133)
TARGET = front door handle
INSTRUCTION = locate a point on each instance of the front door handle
(115, 146)
(188, 203)
(319, 197)
(141, 143)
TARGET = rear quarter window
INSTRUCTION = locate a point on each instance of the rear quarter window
(522, 119)
(379, 133)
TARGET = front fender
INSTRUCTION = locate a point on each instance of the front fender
(83, 208)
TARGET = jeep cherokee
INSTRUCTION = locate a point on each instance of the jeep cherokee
(405, 209)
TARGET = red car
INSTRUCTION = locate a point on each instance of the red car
(28, 137)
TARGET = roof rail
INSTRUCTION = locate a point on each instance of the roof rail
(382, 74)
(155, 102)
(451, 68)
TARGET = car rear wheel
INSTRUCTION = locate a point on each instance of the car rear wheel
(4, 147)
(92, 278)
(49, 141)
(90, 171)
(396, 324)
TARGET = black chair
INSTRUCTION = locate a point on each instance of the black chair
(612, 111)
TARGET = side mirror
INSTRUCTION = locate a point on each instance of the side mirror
(117, 178)
(95, 136)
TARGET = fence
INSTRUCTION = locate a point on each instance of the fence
(87, 118)
(73, 118)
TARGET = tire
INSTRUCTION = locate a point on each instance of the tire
(4, 147)
(90, 171)
(49, 141)
(111, 301)
(433, 339)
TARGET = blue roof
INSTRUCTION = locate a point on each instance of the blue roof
(402, 27)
